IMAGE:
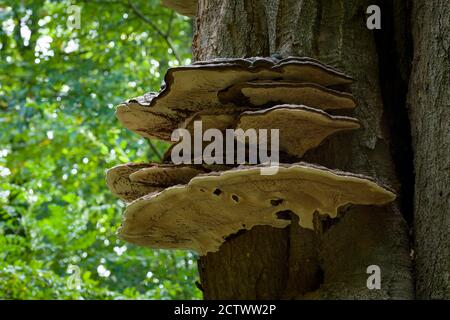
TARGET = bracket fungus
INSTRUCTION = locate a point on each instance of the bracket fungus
(193, 88)
(214, 119)
(133, 180)
(200, 215)
(301, 128)
(198, 206)
(269, 92)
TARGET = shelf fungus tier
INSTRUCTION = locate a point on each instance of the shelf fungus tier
(131, 181)
(260, 93)
(221, 83)
(201, 214)
(301, 128)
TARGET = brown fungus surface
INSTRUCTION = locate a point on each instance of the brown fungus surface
(133, 180)
(194, 88)
(300, 128)
(203, 213)
(214, 119)
(269, 93)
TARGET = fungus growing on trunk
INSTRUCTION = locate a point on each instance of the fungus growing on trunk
(200, 215)
(194, 88)
(198, 206)
(270, 92)
(301, 128)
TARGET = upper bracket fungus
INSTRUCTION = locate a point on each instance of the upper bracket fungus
(301, 128)
(198, 206)
(201, 214)
(197, 87)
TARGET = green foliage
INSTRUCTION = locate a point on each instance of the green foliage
(58, 89)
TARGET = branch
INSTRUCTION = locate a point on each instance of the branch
(156, 28)
(155, 150)
(169, 27)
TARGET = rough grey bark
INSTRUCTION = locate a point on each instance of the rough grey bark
(429, 103)
(330, 262)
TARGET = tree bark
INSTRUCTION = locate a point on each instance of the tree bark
(330, 262)
(429, 105)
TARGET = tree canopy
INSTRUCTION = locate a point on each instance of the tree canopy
(59, 85)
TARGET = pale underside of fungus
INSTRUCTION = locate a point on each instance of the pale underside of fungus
(183, 7)
(197, 87)
(301, 128)
(131, 181)
(200, 215)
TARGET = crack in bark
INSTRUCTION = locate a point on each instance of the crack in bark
(394, 47)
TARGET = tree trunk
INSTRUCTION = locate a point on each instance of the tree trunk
(429, 104)
(330, 262)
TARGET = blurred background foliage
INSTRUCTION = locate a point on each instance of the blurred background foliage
(58, 89)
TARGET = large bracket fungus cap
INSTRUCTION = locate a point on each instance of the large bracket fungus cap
(203, 213)
(131, 181)
(193, 88)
